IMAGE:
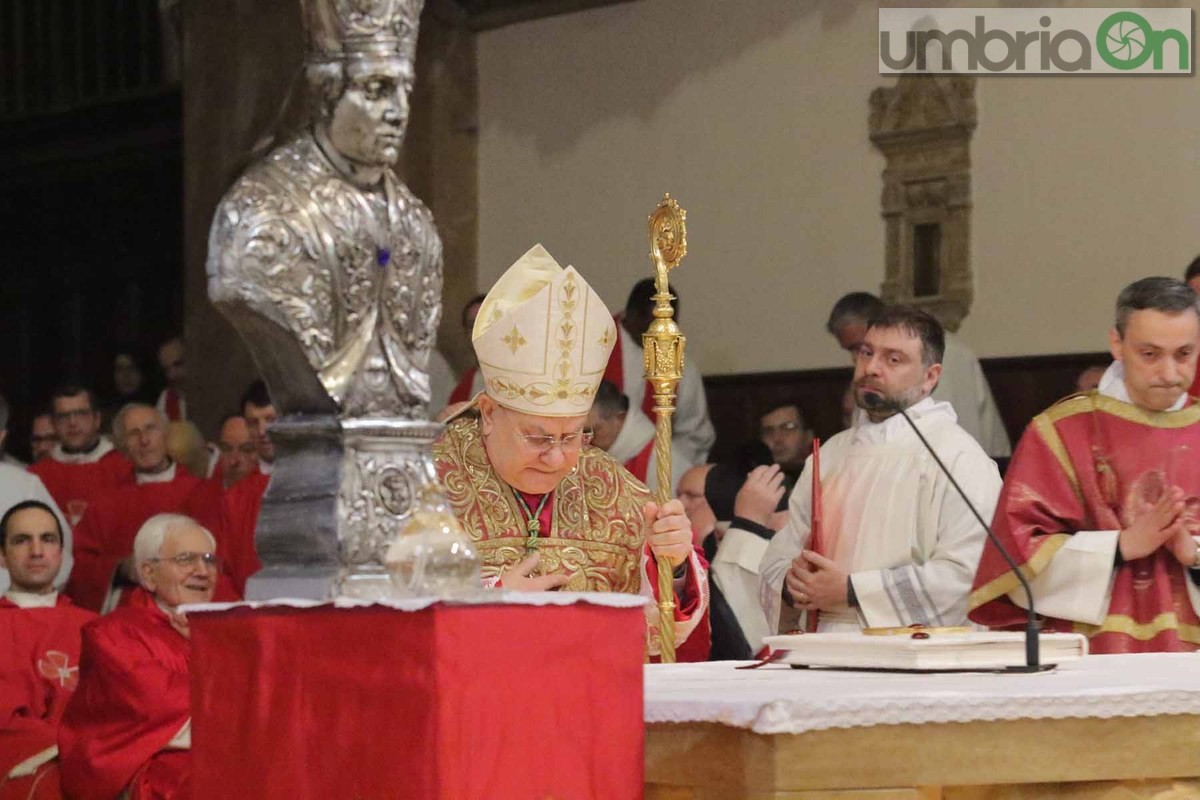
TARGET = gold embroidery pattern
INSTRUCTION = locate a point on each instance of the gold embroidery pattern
(596, 530)
(1044, 424)
(514, 340)
(1093, 400)
(1142, 631)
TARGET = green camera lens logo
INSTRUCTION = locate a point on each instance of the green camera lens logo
(1125, 41)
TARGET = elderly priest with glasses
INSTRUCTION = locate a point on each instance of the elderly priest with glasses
(546, 510)
(128, 726)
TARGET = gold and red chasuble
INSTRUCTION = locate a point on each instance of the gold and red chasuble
(595, 534)
(1092, 463)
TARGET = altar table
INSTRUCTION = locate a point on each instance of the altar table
(1106, 727)
(507, 697)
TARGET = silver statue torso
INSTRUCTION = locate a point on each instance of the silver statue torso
(353, 275)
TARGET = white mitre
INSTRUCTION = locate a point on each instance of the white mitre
(543, 338)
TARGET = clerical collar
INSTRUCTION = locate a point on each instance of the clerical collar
(89, 456)
(30, 600)
(265, 467)
(1112, 384)
(162, 476)
(895, 426)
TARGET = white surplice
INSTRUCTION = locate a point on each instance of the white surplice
(635, 434)
(893, 521)
(964, 386)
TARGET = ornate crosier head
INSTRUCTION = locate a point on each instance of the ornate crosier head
(360, 72)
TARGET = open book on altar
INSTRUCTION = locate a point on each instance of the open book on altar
(921, 649)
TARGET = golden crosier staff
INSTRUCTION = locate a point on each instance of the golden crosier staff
(662, 350)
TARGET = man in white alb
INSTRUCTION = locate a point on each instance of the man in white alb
(898, 546)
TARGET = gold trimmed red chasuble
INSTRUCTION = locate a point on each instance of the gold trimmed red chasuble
(596, 531)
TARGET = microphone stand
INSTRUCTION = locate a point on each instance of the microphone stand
(1032, 662)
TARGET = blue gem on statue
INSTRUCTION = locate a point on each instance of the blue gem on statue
(383, 256)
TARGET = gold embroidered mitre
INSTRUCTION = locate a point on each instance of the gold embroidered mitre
(339, 29)
(543, 338)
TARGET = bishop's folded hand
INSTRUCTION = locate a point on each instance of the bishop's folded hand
(524, 578)
(668, 531)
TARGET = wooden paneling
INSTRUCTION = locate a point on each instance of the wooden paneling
(1022, 386)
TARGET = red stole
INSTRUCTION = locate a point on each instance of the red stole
(639, 465)
(615, 372)
(171, 405)
(133, 697)
(1085, 464)
(462, 391)
(106, 534)
(39, 670)
(75, 487)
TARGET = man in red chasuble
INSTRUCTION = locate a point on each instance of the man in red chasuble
(1101, 503)
(546, 510)
(128, 727)
(105, 537)
(39, 652)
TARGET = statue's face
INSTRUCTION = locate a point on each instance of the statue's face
(368, 121)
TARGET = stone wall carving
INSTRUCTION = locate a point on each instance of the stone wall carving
(923, 126)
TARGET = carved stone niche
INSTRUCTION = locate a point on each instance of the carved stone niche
(923, 127)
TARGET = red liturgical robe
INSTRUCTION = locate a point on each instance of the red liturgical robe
(75, 487)
(231, 515)
(132, 701)
(1083, 471)
(39, 670)
(106, 534)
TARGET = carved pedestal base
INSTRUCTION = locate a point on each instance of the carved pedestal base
(339, 492)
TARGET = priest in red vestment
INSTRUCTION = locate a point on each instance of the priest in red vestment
(128, 727)
(228, 503)
(105, 537)
(39, 652)
(546, 510)
(84, 464)
(1101, 503)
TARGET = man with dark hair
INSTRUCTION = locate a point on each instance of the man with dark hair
(470, 383)
(628, 436)
(1191, 275)
(692, 433)
(783, 429)
(42, 437)
(104, 539)
(898, 546)
(962, 383)
(84, 464)
(39, 662)
(259, 411)
(1100, 501)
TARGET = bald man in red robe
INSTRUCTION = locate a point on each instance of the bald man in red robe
(228, 503)
(83, 465)
(128, 727)
(105, 537)
(39, 652)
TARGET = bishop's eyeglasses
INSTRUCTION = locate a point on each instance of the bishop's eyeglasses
(569, 442)
(188, 560)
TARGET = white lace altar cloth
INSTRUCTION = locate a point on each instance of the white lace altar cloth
(483, 597)
(777, 699)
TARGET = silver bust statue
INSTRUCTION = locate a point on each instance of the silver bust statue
(331, 270)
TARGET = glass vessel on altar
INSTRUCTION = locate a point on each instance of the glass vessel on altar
(432, 556)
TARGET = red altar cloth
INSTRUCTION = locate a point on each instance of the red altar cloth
(496, 700)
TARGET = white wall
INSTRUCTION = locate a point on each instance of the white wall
(754, 115)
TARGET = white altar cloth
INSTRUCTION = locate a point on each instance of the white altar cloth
(777, 699)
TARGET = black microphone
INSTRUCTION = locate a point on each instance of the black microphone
(878, 401)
